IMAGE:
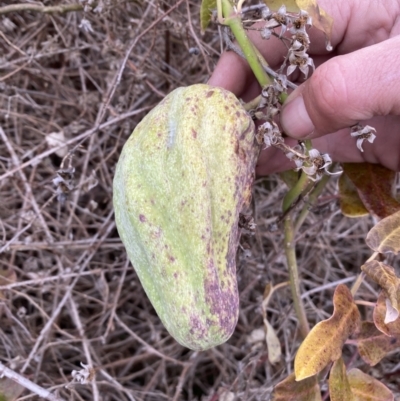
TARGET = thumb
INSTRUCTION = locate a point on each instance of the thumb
(346, 90)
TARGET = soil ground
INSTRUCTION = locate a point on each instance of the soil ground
(85, 78)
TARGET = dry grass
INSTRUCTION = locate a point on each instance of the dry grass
(72, 295)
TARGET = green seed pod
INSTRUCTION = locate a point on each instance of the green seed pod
(183, 176)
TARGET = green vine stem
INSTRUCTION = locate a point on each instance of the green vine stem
(233, 20)
(312, 198)
(290, 251)
(303, 186)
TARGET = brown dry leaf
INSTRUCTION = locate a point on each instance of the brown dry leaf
(292, 390)
(9, 389)
(366, 388)
(385, 236)
(350, 203)
(268, 290)
(373, 345)
(206, 12)
(385, 276)
(273, 343)
(375, 187)
(7, 276)
(325, 341)
(390, 329)
(272, 340)
(56, 139)
(339, 387)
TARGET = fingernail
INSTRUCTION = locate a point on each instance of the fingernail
(295, 119)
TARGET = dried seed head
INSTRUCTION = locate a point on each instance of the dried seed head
(363, 133)
(266, 33)
(266, 13)
(301, 60)
(269, 134)
(64, 182)
(301, 22)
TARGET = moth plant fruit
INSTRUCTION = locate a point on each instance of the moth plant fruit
(182, 179)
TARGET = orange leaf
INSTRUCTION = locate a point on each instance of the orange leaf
(325, 341)
(350, 203)
(373, 345)
(390, 329)
(385, 276)
(366, 388)
(292, 390)
(375, 187)
(339, 387)
(385, 236)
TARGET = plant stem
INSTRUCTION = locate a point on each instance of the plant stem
(303, 185)
(312, 198)
(361, 276)
(357, 283)
(290, 251)
(24, 382)
(293, 194)
(233, 20)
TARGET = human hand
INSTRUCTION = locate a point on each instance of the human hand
(359, 81)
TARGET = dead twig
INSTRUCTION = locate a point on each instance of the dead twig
(61, 8)
(24, 382)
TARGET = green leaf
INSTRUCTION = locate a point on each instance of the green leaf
(205, 13)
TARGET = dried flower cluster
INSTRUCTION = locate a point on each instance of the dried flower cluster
(362, 133)
(311, 162)
(280, 24)
(299, 43)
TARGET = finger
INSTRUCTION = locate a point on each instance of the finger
(342, 148)
(231, 66)
(346, 90)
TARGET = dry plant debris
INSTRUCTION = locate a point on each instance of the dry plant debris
(74, 319)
